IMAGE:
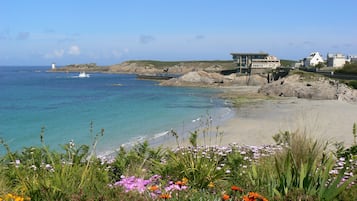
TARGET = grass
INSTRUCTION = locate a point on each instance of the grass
(296, 168)
(307, 76)
(287, 63)
(227, 64)
(350, 68)
(239, 98)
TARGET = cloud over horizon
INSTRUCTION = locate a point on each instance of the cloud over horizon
(74, 50)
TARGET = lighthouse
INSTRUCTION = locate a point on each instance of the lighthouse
(53, 66)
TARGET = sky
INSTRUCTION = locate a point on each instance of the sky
(106, 32)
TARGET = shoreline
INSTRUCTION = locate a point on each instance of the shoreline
(255, 124)
(258, 119)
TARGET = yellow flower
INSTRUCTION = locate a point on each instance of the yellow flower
(184, 181)
(9, 196)
(211, 185)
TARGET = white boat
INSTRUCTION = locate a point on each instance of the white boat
(83, 75)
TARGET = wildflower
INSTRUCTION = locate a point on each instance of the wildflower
(179, 183)
(225, 197)
(165, 196)
(175, 186)
(252, 196)
(133, 184)
(236, 188)
(184, 181)
(153, 188)
(211, 185)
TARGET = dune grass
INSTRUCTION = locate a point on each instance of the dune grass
(296, 168)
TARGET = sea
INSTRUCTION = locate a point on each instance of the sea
(65, 108)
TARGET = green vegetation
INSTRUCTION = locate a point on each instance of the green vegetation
(226, 64)
(287, 63)
(352, 83)
(350, 68)
(307, 76)
(296, 168)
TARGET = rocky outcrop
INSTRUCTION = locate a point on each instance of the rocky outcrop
(204, 79)
(90, 67)
(318, 88)
(197, 78)
(138, 67)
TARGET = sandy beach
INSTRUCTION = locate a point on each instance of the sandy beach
(322, 119)
(257, 121)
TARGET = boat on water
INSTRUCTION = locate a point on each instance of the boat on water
(83, 75)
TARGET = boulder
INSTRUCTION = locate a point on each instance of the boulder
(319, 88)
(196, 78)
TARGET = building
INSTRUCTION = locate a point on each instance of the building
(53, 66)
(313, 59)
(352, 59)
(336, 60)
(255, 62)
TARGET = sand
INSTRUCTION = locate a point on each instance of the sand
(322, 119)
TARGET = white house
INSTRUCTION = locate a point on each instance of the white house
(313, 59)
(336, 60)
(352, 59)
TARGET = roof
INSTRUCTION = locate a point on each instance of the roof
(251, 54)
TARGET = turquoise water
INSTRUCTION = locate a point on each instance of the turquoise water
(126, 108)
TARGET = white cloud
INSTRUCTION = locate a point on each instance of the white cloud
(74, 50)
(118, 53)
(55, 54)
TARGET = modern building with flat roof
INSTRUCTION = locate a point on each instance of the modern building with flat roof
(255, 62)
(336, 60)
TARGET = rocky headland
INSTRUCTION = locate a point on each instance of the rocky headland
(319, 88)
(211, 74)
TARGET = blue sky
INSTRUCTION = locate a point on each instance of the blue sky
(39, 32)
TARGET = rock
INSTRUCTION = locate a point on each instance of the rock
(321, 88)
(196, 78)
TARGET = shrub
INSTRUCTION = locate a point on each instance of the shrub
(352, 83)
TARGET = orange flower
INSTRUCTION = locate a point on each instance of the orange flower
(246, 198)
(225, 197)
(153, 188)
(252, 196)
(236, 188)
(179, 183)
(165, 196)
